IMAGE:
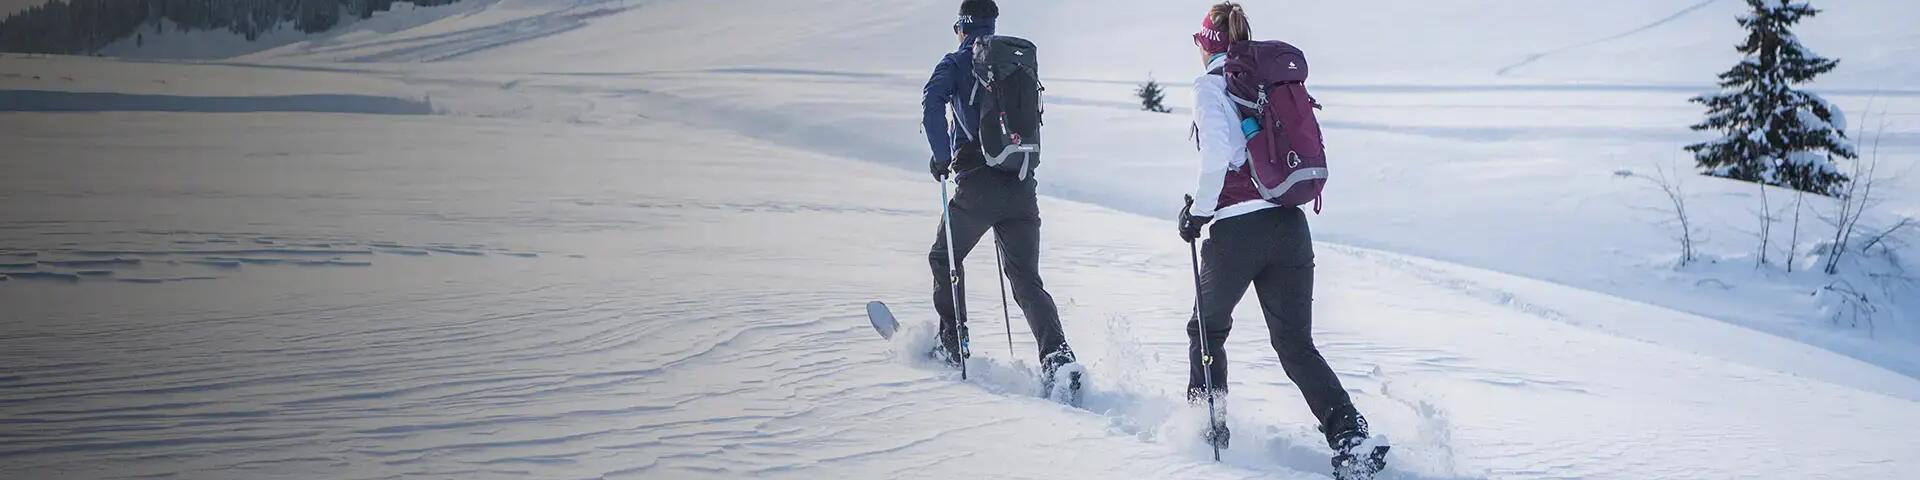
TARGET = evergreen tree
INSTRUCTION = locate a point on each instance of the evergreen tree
(1774, 134)
(1152, 97)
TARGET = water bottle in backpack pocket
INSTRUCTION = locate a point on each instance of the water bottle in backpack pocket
(1285, 153)
(1006, 73)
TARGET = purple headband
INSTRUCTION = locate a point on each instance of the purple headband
(1209, 38)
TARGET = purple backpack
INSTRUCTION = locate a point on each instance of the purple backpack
(1285, 155)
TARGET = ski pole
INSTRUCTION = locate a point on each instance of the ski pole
(953, 275)
(1206, 358)
(1005, 314)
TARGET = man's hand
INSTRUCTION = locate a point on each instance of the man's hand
(939, 168)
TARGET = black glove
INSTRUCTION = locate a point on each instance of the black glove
(939, 168)
(1189, 224)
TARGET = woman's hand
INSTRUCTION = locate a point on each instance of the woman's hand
(1190, 225)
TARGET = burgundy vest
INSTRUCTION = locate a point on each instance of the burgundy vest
(1238, 188)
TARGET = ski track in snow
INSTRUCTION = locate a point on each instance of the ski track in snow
(456, 44)
(1503, 71)
(155, 256)
(52, 101)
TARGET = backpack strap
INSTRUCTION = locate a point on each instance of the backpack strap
(1250, 105)
(1042, 95)
(973, 100)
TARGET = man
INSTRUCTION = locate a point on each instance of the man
(984, 199)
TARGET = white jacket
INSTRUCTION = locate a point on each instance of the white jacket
(1222, 146)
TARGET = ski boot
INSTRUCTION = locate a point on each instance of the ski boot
(1217, 434)
(1356, 455)
(1061, 377)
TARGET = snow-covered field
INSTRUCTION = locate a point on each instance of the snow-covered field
(632, 239)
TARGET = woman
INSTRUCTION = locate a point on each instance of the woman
(1252, 242)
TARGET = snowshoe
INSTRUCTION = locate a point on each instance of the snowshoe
(1062, 378)
(1362, 460)
(947, 351)
(1356, 455)
(1217, 434)
(950, 357)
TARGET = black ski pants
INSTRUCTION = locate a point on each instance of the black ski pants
(986, 200)
(1271, 250)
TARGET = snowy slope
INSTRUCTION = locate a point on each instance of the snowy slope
(615, 313)
(635, 240)
(1497, 145)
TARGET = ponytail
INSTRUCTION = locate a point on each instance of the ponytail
(1231, 19)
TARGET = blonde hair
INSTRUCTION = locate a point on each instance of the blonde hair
(1231, 20)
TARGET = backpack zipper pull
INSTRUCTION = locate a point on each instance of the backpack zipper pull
(1015, 136)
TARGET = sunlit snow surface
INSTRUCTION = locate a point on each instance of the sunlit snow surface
(612, 247)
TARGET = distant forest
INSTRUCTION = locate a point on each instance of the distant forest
(82, 27)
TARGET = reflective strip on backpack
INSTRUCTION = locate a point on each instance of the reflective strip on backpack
(1298, 176)
(996, 160)
(1244, 102)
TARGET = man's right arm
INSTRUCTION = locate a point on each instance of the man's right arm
(933, 104)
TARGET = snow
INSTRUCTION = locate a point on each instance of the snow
(632, 239)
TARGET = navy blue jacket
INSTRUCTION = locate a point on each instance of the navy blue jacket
(951, 85)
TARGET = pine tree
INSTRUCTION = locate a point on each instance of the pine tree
(1152, 97)
(1774, 134)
